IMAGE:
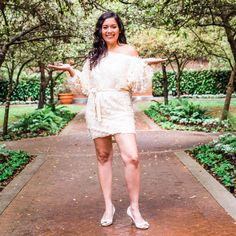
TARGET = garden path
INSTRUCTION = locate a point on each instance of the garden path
(63, 197)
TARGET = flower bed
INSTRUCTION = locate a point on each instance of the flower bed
(42, 122)
(219, 159)
(181, 114)
(11, 163)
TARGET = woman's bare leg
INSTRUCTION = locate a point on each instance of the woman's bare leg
(129, 153)
(104, 154)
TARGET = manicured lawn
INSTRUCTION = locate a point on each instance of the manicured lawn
(17, 111)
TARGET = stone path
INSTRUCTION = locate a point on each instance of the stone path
(62, 196)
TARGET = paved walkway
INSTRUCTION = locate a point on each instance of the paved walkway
(62, 194)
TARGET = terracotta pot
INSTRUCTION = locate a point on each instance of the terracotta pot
(65, 98)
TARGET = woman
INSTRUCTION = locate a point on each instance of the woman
(112, 72)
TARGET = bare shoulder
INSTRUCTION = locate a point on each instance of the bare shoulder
(129, 50)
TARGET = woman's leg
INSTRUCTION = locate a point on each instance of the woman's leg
(104, 156)
(129, 153)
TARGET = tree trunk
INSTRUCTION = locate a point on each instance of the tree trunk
(3, 53)
(6, 112)
(6, 117)
(178, 91)
(229, 91)
(43, 86)
(52, 85)
(165, 83)
(178, 74)
(2, 58)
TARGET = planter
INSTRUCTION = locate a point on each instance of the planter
(65, 98)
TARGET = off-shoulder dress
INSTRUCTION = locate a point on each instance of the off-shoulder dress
(109, 87)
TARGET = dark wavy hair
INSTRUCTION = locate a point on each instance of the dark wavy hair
(99, 45)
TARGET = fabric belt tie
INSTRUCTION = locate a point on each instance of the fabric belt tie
(97, 93)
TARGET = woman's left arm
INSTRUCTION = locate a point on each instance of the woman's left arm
(153, 61)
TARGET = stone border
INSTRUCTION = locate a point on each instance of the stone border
(14, 187)
(220, 194)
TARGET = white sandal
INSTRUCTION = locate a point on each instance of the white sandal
(143, 225)
(107, 222)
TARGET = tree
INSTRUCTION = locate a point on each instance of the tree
(33, 21)
(176, 14)
(179, 47)
(13, 67)
(36, 25)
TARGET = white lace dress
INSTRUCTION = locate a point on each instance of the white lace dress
(109, 87)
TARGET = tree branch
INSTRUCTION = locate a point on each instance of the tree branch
(210, 52)
(43, 38)
(21, 68)
(6, 22)
(19, 36)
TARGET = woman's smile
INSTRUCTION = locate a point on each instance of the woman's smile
(110, 32)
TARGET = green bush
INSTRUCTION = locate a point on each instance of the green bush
(40, 123)
(10, 162)
(27, 89)
(184, 115)
(219, 158)
(194, 82)
(3, 90)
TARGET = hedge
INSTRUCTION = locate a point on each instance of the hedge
(27, 89)
(194, 82)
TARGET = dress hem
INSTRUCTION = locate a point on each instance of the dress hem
(112, 134)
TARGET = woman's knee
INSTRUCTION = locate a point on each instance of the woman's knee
(103, 156)
(131, 159)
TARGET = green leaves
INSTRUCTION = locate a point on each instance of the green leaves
(194, 82)
(41, 122)
(10, 162)
(215, 157)
(184, 115)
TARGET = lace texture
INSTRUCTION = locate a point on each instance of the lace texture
(109, 87)
(80, 82)
(139, 76)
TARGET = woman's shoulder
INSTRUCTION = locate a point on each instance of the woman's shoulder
(128, 50)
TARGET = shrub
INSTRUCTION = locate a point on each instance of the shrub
(10, 162)
(40, 123)
(184, 115)
(194, 82)
(27, 89)
(219, 157)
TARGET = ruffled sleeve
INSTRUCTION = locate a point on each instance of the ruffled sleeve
(139, 76)
(79, 83)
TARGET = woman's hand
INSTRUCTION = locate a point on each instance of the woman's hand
(152, 61)
(63, 67)
(60, 66)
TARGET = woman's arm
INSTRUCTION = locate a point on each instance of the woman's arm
(63, 67)
(153, 61)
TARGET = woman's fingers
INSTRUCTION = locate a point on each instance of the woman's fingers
(59, 66)
(154, 60)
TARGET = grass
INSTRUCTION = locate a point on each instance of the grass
(215, 107)
(16, 111)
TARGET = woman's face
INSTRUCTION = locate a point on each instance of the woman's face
(110, 31)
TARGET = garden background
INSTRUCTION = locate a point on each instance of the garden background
(37, 33)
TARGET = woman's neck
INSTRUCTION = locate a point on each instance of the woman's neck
(111, 47)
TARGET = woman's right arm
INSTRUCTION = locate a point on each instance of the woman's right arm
(79, 80)
(64, 67)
